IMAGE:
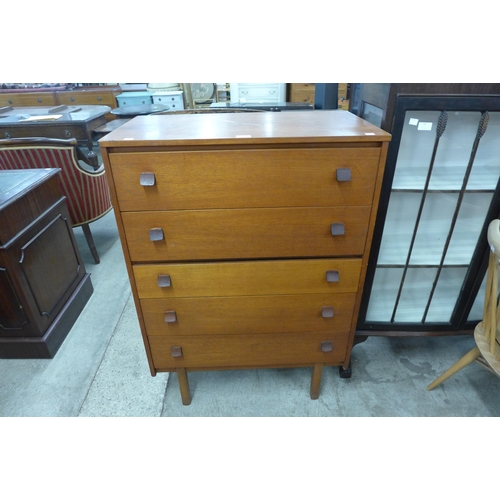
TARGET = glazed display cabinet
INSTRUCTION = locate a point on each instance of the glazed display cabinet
(440, 191)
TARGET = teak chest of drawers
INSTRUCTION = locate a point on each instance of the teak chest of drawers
(246, 235)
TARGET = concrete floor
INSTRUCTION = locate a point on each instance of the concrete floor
(101, 370)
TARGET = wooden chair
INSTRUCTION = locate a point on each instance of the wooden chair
(86, 189)
(486, 333)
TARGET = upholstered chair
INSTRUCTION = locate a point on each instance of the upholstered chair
(86, 189)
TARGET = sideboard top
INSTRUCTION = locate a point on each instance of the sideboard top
(317, 126)
(15, 183)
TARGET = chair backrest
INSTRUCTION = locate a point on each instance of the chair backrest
(491, 315)
(87, 193)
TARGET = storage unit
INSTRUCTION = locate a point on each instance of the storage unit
(105, 96)
(258, 92)
(100, 95)
(301, 92)
(172, 99)
(440, 191)
(246, 239)
(305, 92)
(43, 283)
(134, 98)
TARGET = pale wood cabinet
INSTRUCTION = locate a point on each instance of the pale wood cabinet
(305, 92)
(246, 236)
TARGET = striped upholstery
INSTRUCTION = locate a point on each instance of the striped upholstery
(87, 193)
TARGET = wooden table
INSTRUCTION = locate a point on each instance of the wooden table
(60, 122)
(143, 109)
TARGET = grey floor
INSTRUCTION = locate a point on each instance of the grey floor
(101, 370)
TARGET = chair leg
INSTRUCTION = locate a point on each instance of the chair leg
(90, 242)
(461, 363)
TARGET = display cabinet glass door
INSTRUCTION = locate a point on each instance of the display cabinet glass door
(442, 195)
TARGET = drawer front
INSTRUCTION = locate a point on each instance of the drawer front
(302, 96)
(303, 86)
(87, 98)
(259, 92)
(134, 100)
(245, 233)
(248, 314)
(51, 131)
(175, 102)
(228, 351)
(28, 99)
(247, 278)
(246, 179)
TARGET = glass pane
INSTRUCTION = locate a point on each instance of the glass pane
(372, 114)
(468, 228)
(486, 168)
(476, 312)
(383, 294)
(446, 294)
(415, 294)
(415, 149)
(485, 174)
(398, 228)
(453, 153)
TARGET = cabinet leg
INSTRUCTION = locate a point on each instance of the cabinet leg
(316, 380)
(461, 363)
(184, 386)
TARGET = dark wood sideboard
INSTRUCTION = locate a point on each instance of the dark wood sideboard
(43, 282)
(102, 95)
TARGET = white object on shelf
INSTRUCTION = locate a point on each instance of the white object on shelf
(134, 99)
(172, 99)
(163, 87)
(250, 93)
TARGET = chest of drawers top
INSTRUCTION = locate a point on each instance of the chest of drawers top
(245, 129)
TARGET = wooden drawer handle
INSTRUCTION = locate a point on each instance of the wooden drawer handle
(327, 312)
(156, 234)
(147, 179)
(164, 280)
(327, 346)
(332, 276)
(170, 316)
(337, 229)
(344, 174)
(176, 351)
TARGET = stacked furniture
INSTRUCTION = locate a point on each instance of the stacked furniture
(102, 95)
(246, 235)
(305, 93)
